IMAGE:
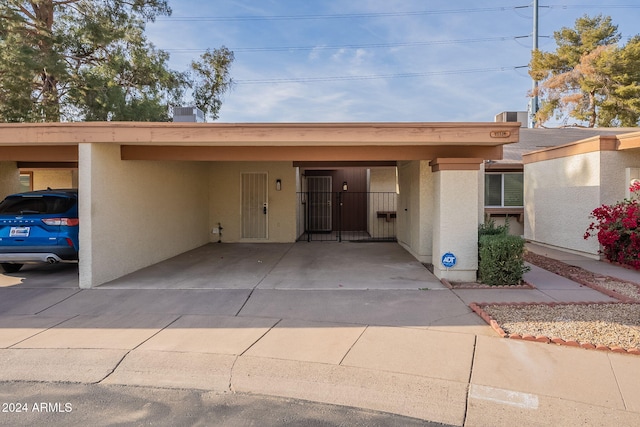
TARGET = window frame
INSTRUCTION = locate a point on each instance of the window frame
(502, 175)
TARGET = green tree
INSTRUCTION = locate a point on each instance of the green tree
(589, 77)
(211, 79)
(90, 60)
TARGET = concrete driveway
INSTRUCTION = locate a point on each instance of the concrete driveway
(302, 265)
(42, 276)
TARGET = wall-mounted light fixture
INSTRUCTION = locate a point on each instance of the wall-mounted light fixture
(278, 184)
(345, 187)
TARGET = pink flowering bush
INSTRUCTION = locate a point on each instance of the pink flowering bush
(618, 230)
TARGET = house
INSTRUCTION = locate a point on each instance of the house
(504, 179)
(150, 191)
(565, 183)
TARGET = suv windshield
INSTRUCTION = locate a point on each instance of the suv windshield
(20, 205)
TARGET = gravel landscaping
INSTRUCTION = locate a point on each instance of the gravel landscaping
(610, 325)
(620, 288)
(592, 325)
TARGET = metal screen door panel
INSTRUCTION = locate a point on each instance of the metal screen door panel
(254, 205)
(320, 195)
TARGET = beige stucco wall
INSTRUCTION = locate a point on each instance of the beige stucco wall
(415, 209)
(9, 179)
(136, 213)
(225, 200)
(559, 195)
(614, 165)
(61, 178)
(455, 227)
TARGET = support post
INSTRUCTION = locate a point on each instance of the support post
(455, 228)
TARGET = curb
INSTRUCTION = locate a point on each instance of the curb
(477, 308)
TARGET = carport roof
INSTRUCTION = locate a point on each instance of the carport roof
(267, 141)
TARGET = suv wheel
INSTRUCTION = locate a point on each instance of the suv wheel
(11, 268)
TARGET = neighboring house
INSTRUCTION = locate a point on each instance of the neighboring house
(564, 184)
(504, 180)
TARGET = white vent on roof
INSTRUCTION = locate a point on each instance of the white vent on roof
(188, 114)
(513, 116)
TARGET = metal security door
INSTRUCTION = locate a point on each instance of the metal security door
(319, 189)
(254, 205)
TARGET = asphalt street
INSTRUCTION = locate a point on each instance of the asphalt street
(57, 404)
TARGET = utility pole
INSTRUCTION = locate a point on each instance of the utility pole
(534, 99)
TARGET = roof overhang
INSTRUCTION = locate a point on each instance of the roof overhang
(261, 141)
(627, 141)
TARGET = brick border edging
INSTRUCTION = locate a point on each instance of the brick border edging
(524, 285)
(477, 308)
(587, 283)
(606, 291)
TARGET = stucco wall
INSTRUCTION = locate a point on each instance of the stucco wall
(54, 179)
(225, 200)
(456, 223)
(559, 195)
(136, 213)
(614, 180)
(9, 179)
(415, 209)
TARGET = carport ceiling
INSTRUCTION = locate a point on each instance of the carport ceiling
(267, 141)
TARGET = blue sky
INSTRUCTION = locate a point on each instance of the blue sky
(374, 60)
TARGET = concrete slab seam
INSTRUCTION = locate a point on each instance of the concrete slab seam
(262, 279)
(61, 301)
(468, 394)
(615, 377)
(233, 365)
(259, 338)
(477, 307)
(353, 345)
(44, 330)
(129, 351)
(470, 285)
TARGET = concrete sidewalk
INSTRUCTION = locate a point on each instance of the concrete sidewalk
(419, 353)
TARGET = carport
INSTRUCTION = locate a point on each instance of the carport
(151, 191)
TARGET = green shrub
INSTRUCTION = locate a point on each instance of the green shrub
(489, 228)
(501, 260)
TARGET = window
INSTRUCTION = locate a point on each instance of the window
(26, 181)
(503, 190)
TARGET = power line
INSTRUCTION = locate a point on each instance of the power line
(597, 6)
(357, 46)
(374, 76)
(383, 14)
(334, 16)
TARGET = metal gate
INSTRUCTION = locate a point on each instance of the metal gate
(319, 202)
(349, 216)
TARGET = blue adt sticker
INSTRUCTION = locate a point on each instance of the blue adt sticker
(449, 260)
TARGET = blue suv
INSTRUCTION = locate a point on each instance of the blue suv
(38, 226)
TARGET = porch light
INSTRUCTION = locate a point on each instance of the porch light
(278, 184)
(345, 187)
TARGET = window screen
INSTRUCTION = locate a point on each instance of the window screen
(493, 190)
(513, 189)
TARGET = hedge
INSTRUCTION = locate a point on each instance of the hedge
(501, 259)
